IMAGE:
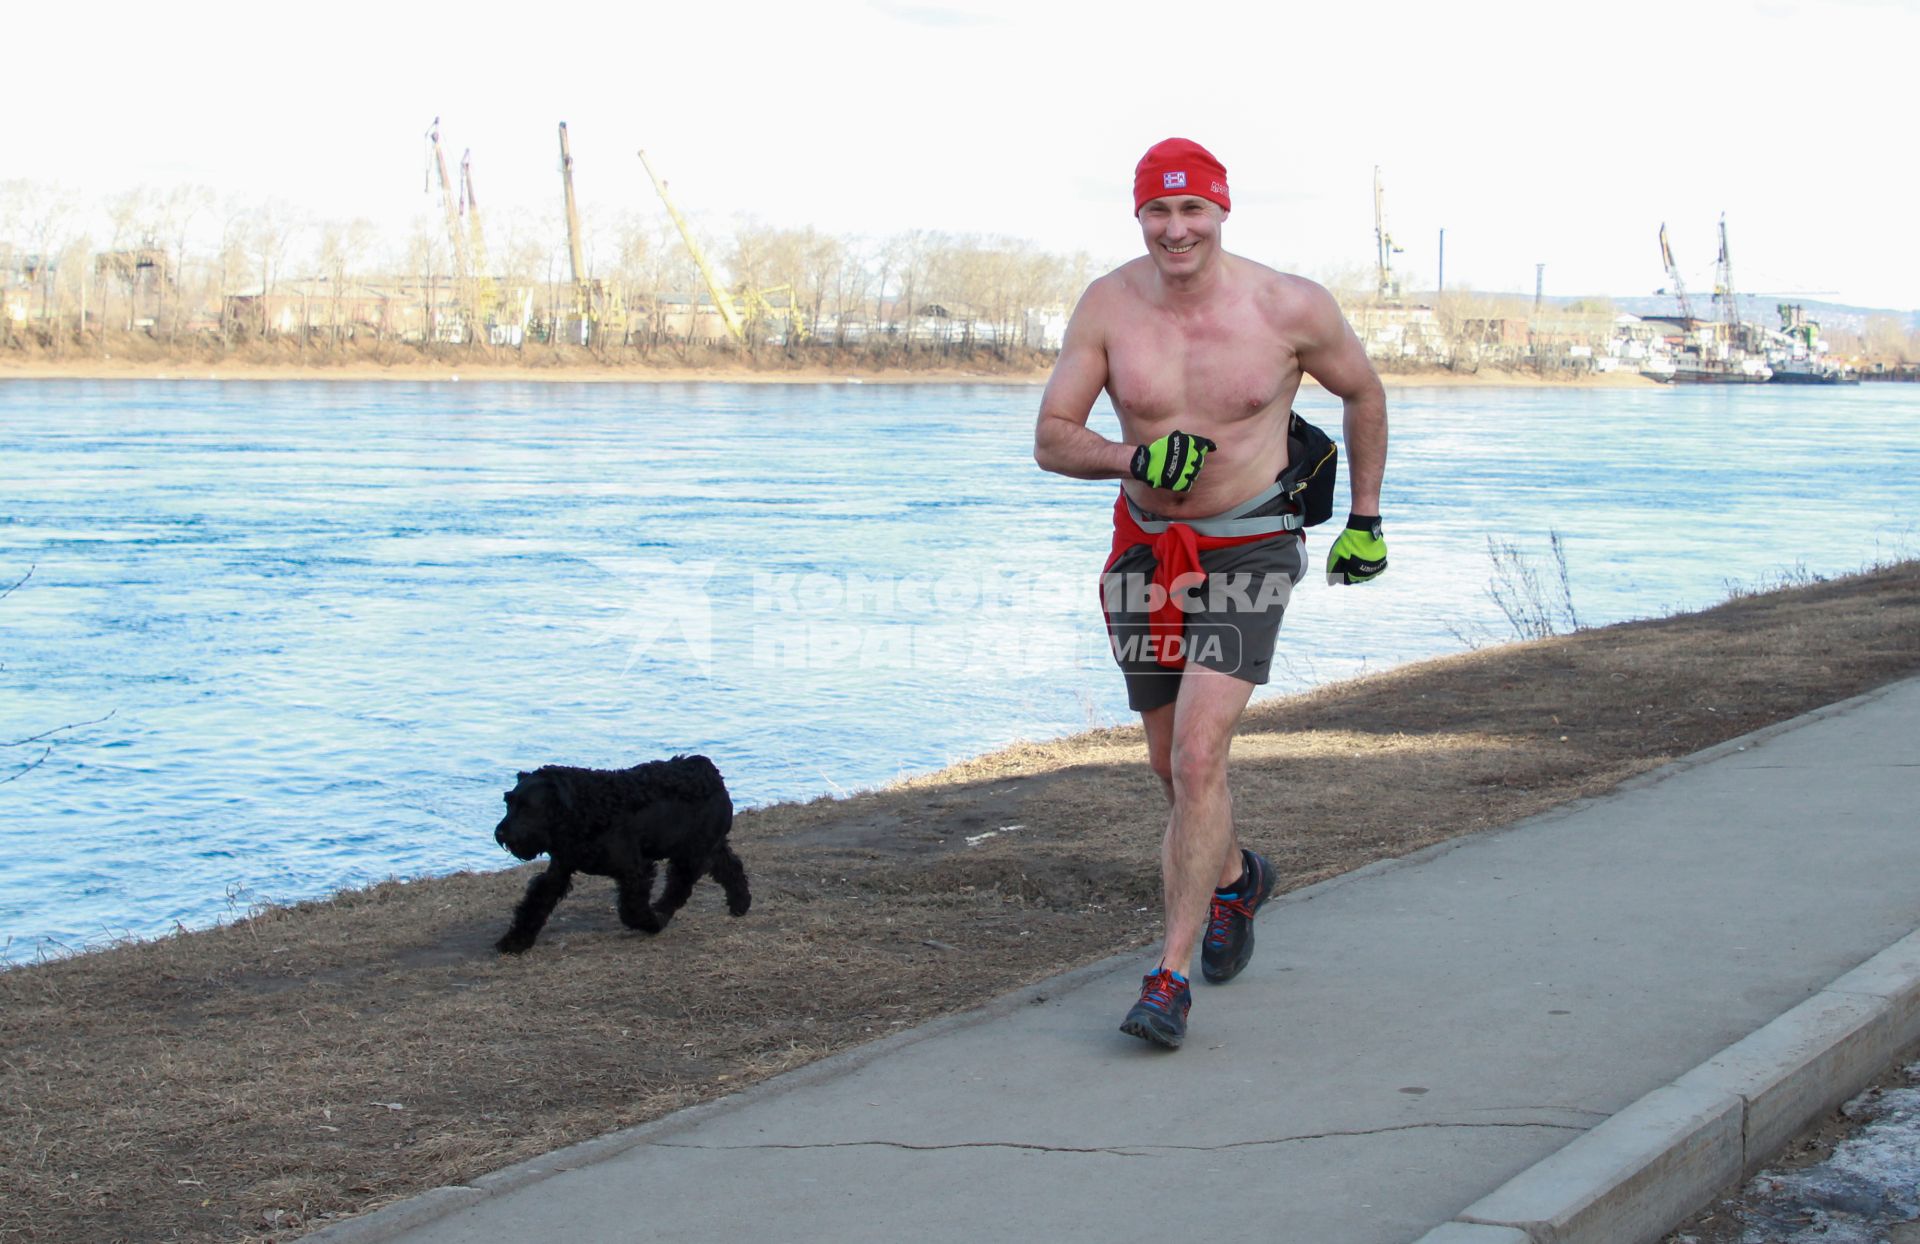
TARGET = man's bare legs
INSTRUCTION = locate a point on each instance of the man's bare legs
(1187, 745)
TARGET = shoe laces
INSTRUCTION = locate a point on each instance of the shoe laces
(1220, 914)
(1162, 991)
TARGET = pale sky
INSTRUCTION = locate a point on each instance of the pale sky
(1561, 134)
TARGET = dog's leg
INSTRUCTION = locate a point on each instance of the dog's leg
(531, 915)
(732, 876)
(636, 888)
(673, 896)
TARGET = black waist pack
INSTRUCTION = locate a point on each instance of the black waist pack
(1313, 464)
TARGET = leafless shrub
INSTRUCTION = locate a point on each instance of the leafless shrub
(46, 739)
(1537, 603)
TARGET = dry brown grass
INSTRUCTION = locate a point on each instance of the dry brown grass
(246, 1083)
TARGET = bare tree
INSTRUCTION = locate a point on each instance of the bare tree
(427, 258)
(824, 259)
(151, 264)
(854, 278)
(134, 215)
(40, 214)
(341, 248)
(910, 258)
(178, 209)
(236, 221)
(1887, 340)
(270, 235)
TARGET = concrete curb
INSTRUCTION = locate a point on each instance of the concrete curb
(1643, 1171)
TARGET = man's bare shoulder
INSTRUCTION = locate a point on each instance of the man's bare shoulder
(1285, 295)
(1110, 295)
(1131, 280)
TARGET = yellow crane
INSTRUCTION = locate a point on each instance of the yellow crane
(736, 310)
(759, 305)
(729, 312)
(486, 293)
(594, 302)
(462, 261)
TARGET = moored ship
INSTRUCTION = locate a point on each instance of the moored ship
(1719, 371)
(1802, 372)
(1802, 357)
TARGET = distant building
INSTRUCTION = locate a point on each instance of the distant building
(1045, 329)
(1400, 333)
(145, 273)
(400, 308)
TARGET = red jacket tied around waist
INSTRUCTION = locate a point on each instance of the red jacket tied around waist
(1176, 552)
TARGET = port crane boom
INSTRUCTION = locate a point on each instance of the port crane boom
(578, 265)
(598, 306)
(1723, 284)
(729, 312)
(486, 295)
(462, 261)
(573, 212)
(1673, 274)
(1389, 285)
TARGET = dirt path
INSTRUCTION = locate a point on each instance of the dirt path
(248, 1083)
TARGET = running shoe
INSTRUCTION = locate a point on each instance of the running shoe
(1161, 1014)
(1229, 941)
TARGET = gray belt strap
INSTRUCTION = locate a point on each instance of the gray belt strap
(1234, 522)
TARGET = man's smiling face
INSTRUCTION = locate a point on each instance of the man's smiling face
(1181, 232)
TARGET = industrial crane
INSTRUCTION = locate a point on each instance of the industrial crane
(1723, 286)
(593, 303)
(1389, 285)
(1673, 273)
(486, 294)
(462, 261)
(729, 312)
(579, 267)
(748, 305)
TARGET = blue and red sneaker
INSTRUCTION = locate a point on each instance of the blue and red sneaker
(1228, 944)
(1161, 1014)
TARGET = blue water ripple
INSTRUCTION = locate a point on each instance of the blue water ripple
(332, 620)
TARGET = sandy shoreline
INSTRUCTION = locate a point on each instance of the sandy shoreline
(483, 372)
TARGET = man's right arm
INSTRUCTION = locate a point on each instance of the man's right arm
(1062, 441)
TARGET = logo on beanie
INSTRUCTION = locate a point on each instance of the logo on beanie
(1219, 187)
(1173, 181)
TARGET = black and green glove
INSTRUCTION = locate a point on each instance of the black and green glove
(1360, 554)
(1173, 461)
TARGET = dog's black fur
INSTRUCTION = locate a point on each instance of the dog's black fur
(617, 823)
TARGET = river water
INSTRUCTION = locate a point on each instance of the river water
(325, 623)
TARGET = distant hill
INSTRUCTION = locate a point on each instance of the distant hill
(1762, 310)
(1753, 308)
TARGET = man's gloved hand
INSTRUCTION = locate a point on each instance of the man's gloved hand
(1173, 461)
(1360, 554)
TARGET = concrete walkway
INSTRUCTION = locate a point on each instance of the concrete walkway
(1408, 1040)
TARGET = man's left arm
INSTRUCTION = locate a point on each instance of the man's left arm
(1332, 355)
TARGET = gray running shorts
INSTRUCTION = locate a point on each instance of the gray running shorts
(1231, 622)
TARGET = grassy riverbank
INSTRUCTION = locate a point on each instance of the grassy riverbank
(254, 1081)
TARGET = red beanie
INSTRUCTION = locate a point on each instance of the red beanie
(1179, 166)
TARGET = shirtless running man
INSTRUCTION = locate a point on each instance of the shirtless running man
(1202, 352)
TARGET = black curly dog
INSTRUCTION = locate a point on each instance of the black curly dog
(617, 823)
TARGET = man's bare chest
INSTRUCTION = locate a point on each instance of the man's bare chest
(1225, 373)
